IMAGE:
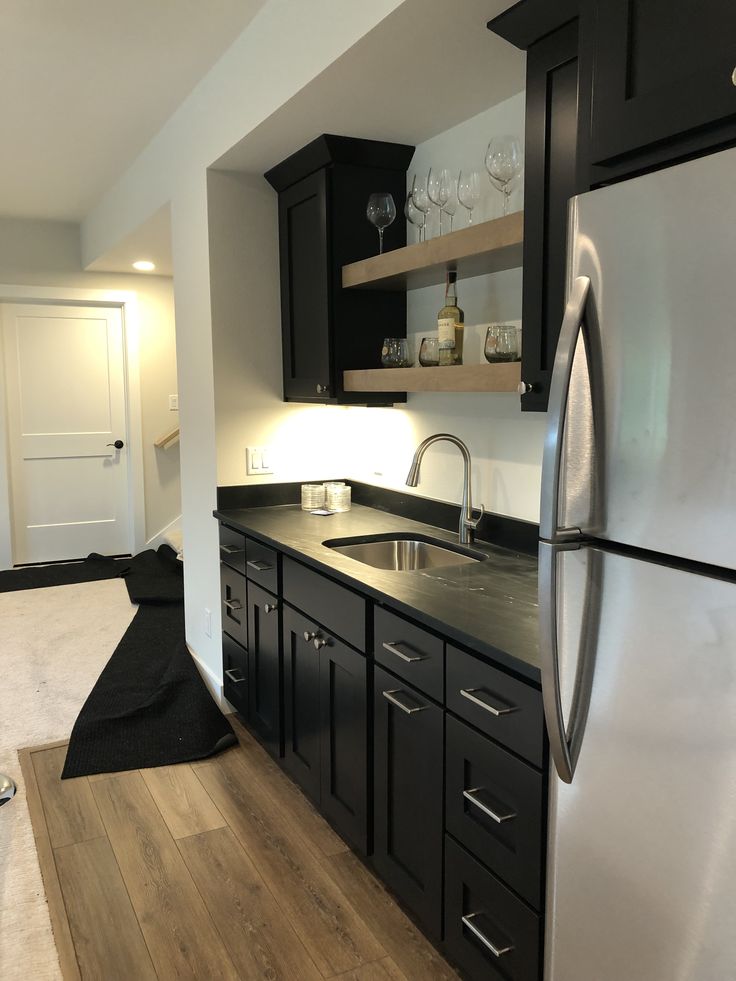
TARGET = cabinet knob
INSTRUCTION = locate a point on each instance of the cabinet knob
(319, 643)
(309, 635)
(270, 607)
(523, 388)
(323, 389)
(733, 77)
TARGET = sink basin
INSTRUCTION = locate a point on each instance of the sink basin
(404, 553)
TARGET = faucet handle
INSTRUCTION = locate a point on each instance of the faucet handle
(474, 522)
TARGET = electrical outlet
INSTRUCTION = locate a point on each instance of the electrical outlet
(258, 460)
(207, 622)
(173, 403)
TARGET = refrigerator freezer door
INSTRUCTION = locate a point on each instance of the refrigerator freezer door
(642, 842)
(660, 252)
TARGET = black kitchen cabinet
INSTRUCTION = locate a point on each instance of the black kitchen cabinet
(663, 80)
(556, 168)
(235, 674)
(264, 668)
(326, 724)
(323, 191)
(408, 789)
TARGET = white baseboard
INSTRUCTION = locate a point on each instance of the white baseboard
(162, 537)
(213, 683)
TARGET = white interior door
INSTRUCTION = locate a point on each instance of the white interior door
(66, 403)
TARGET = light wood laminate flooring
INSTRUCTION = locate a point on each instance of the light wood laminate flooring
(216, 869)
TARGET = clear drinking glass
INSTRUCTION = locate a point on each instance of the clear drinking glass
(437, 191)
(504, 163)
(415, 216)
(502, 343)
(429, 352)
(468, 191)
(381, 212)
(395, 353)
(421, 200)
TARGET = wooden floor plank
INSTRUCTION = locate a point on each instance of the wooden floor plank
(107, 938)
(179, 932)
(71, 813)
(383, 970)
(185, 807)
(258, 936)
(285, 794)
(319, 912)
(408, 947)
(57, 909)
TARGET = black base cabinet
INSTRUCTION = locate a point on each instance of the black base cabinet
(301, 703)
(264, 668)
(235, 674)
(408, 797)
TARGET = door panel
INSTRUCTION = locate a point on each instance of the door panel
(264, 667)
(642, 843)
(301, 703)
(65, 383)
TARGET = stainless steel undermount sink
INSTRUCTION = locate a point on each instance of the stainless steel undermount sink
(404, 553)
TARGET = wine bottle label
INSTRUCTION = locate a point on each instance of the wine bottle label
(446, 331)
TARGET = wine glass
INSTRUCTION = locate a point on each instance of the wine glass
(436, 190)
(468, 191)
(503, 163)
(381, 212)
(415, 216)
(449, 192)
(421, 199)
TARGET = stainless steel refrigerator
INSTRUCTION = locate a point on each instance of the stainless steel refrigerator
(638, 584)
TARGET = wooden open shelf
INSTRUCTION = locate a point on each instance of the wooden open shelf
(483, 248)
(450, 378)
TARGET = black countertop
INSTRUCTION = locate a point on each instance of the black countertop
(490, 606)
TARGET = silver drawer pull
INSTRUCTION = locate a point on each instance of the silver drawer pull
(233, 605)
(392, 647)
(390, 696)
(270, 607)
(494, 815)
(258, 565)
(489, 945)
(232, 672)
(493, 709)
(230, 549)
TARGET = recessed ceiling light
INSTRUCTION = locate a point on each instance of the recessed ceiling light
(144, 265)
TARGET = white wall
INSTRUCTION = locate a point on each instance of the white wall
(45, 253)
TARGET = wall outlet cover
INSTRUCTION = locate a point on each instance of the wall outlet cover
(173, 403)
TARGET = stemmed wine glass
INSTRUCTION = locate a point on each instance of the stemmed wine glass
(381, 212)
(421, 200)
(504, 163)
(437, 191)
(468, 191)
(449, 192)
(415, 216)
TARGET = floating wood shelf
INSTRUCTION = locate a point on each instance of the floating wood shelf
(451, 378)
(483, 248)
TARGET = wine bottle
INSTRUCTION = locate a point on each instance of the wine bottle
(450, 325)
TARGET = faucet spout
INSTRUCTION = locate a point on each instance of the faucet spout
(467, 523)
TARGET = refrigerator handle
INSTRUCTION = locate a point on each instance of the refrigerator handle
(559, 390)
(565, 741)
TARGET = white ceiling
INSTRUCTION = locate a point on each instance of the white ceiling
(85, 85)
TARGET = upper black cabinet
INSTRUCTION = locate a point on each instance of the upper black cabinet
(662, 76)
(323, 191)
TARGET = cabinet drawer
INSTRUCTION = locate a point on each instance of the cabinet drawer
(262, 565)
(335, 607)
(488, 931)
(235, 674)
(232, 548)
(234, 606)
(410, 652)
(504, 708)
(493, 806)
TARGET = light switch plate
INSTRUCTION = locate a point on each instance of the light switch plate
(258, 460)
(173, 403)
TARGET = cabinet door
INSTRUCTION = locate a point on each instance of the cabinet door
(344, 740)
(408, 764)
(264, 668)
(305, 312)
(301, 702)
(661, 69)
(554, 171)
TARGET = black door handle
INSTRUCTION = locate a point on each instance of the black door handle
(118, 444)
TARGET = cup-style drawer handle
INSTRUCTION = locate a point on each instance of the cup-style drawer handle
(233, 605)
(392, 646)
(471, 795)
(390, 696)
(258, 565)
(496, 950)
(502, 709)
(235, 675)
(231, 549)
(270, 607)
